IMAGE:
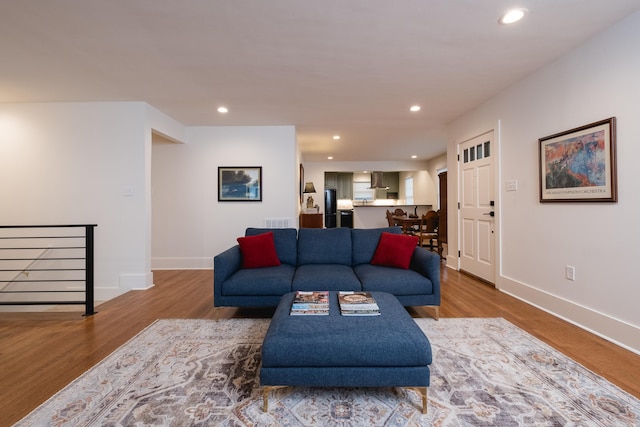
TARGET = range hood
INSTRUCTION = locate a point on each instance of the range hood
(376, 180)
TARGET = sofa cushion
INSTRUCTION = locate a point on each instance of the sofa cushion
(258, 251)
(365, 241)
(392, 280)
(325, 277)
(394, 250)
(324, 246)
(262, 281)
(285, 241)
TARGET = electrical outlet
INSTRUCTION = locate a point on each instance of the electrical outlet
(570, 272)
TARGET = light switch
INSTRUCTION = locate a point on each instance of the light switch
(512, 185)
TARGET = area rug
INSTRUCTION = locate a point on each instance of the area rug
(485, 372)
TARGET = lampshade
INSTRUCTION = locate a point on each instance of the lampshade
(309, 188)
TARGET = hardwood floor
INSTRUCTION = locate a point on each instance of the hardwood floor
(40, 353)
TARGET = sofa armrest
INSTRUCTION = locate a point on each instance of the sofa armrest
(427, 263)
(224, 265)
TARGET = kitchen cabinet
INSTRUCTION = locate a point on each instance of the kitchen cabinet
(390, 180)
(345, 185)
(331, 180)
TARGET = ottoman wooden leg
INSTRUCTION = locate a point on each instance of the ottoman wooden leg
(422, 391)
(265, 399)
(424, 400)
(265, 395)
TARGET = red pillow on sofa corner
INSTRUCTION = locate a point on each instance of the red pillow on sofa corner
(258, 251)
(394, 250)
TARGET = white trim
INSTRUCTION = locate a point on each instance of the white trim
(130, 282)
(192, 263)
(611, 329)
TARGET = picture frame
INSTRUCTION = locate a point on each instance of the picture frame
(239, 183)
(579, 165)
(301, 186)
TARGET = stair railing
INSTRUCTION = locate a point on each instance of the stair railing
(44, 264)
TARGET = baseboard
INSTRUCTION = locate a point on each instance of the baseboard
(614, 330)
(182, 263)
(139, 281)
(451, 261)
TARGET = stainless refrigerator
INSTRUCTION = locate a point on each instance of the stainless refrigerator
(330, 208)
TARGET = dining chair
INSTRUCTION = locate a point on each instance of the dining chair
(399, 212)
(428, 232)
(390, 219)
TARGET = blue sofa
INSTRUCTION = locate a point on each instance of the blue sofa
(324, 259)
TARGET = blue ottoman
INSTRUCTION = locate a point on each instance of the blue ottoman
(388, 350)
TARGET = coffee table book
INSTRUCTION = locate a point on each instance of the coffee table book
(310, 303)
(310, 312)
(358, 304)
(360, 312)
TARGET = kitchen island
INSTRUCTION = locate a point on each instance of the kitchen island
(373, 214)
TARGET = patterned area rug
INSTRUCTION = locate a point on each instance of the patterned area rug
(205, 373)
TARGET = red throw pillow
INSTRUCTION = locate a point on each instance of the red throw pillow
(395, 250)
(258, 251)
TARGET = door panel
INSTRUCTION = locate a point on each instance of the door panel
(485, 186)
(484, 248)
(468, 193)
(468, 242)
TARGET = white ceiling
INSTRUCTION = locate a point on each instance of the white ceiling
(348, 67)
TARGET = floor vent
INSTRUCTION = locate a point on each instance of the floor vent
(278, 223)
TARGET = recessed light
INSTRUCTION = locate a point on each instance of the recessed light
(414, 157)
(414, 108)
(223, 110)
(330, 158)
(336, 137)
(513, 15)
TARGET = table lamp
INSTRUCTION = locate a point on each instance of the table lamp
(308, 189)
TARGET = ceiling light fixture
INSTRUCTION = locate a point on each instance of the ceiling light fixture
(414, 108)
(336, 137)
(223, 110)
(414, 157)
(330, 158)
(513, 15)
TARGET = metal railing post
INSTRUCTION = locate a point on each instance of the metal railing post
(89, 289)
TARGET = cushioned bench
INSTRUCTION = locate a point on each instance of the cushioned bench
(388, 350)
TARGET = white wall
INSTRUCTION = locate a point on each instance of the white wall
(68, 163)
(190, 226)
(595, 81)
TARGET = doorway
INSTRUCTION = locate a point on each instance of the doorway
(476, 207)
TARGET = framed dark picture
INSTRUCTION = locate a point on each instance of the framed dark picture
(579, 165)
(239, 184)
(301, 186)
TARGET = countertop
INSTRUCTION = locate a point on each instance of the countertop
(395, 205)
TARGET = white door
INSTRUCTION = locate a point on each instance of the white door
(477, 242)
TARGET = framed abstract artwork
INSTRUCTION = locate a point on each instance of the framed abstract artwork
(579, 165)
(239, 184)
